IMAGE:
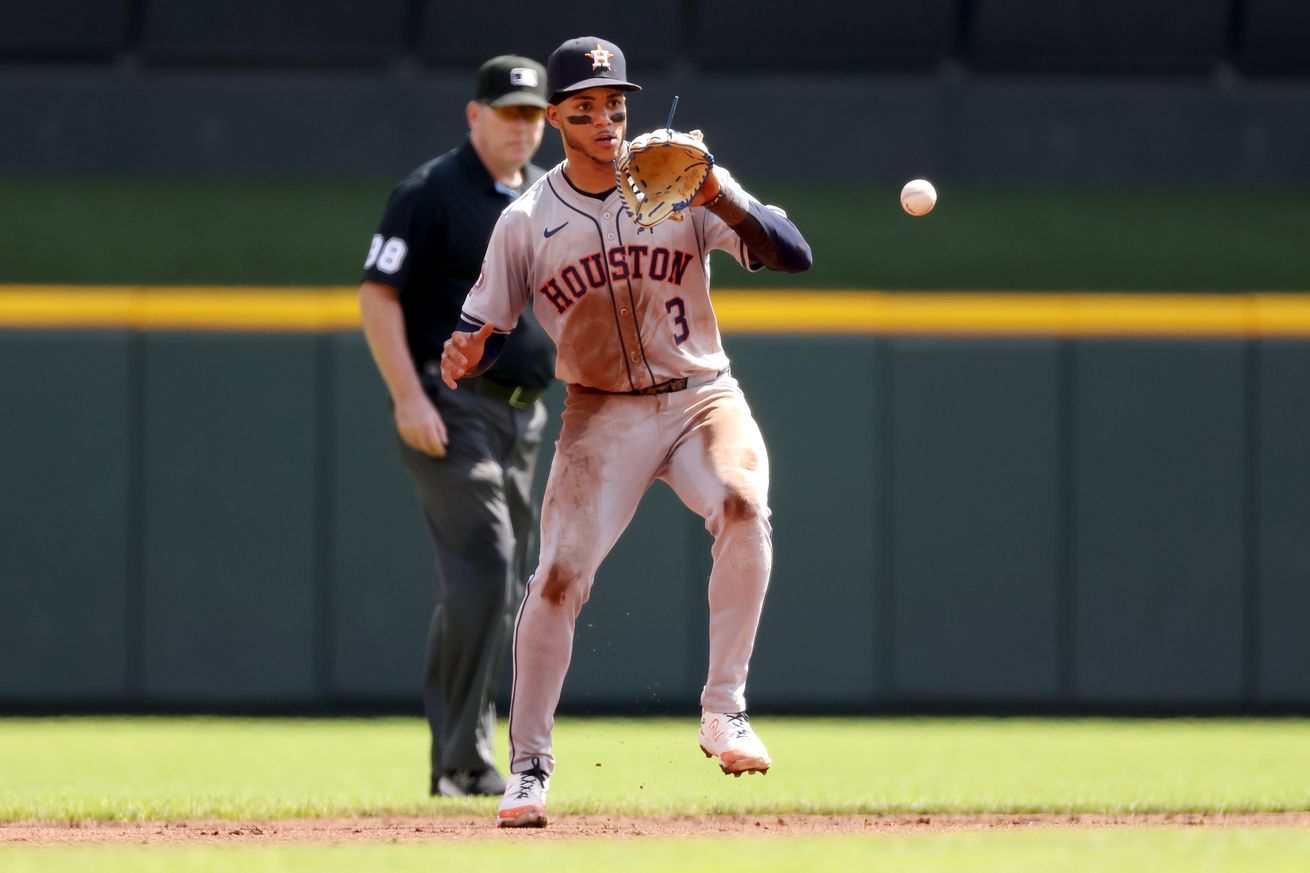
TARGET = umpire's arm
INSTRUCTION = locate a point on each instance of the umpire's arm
(417, 420)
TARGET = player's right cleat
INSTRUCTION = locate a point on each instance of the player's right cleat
(524, 803)
(729, 737)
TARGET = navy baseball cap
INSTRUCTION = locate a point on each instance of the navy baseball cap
(586, 62)
(509, 80)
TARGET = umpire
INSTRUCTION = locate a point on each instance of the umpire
(471, 453)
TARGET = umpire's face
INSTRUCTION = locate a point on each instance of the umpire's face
(506, 136)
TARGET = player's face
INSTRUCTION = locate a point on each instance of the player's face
(592, 123)
(507, 135)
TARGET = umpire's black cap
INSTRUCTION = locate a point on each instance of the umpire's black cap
(586, 62)
(509, 80)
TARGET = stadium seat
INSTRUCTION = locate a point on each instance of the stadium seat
(462, 38)
(64, 30)
(1275, 38)
(826, 35)
(1131, 37)
(273, 33)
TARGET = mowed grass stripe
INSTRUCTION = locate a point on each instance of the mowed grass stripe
(133, 768)
(769, 312)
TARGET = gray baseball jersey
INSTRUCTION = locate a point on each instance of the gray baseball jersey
(629, 312)
(626, 309)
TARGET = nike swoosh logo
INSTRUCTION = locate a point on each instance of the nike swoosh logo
(552, 232)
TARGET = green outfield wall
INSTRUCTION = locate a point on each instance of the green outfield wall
(217, 520)
(274, 232)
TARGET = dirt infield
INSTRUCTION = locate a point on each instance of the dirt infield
(435, 828)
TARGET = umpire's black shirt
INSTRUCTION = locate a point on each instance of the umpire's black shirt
(429, 246)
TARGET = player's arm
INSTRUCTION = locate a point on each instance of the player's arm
(771, 239)
(417, 420)
(471, 350)
(493, 305)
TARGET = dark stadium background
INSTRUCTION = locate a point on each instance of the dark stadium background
(213, 520)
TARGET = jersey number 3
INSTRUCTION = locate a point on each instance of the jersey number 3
(387, 254)
(681, 329)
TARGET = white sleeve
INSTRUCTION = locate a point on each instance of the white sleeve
(718, 235)
(502, 290)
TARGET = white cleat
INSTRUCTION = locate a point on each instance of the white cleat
(524, 803)
(728, 736)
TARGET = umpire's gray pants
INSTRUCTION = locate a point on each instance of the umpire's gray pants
(478, 504)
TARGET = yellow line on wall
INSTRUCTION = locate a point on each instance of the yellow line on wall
(775, 312)
(207, 308)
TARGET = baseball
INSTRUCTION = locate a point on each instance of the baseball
(918, 197)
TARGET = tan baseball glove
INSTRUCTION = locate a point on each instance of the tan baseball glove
(659, 173)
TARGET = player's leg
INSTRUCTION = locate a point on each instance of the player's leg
(465, 503)
(720, 469)
(607, 456)
(520, 477)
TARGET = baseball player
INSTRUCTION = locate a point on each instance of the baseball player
(649, 397)
(471, 454)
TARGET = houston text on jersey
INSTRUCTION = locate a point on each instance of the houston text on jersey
(656, 263)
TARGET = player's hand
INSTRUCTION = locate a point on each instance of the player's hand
(420, 426)
(709, 189)
(461, 353)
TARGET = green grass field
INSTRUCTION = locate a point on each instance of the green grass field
(174, 768)
(56, 769)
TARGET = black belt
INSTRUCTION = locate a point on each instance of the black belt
(667, 387)
(515, 395)
(662, 388)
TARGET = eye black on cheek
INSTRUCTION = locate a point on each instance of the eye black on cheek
(578, 119)
(621, 115)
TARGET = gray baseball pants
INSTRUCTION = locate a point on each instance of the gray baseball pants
(705, 444)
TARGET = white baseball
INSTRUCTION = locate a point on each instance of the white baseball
(918, 197)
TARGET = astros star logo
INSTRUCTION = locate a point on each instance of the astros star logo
(600, 57)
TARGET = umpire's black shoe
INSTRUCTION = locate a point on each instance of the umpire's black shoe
(465, 783)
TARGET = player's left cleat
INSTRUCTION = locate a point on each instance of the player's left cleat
(524, 803)
(729, 737)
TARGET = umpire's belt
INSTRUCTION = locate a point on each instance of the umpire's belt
(515, 395)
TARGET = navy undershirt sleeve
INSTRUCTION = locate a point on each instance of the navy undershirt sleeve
(490, 352)
(773, 241)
